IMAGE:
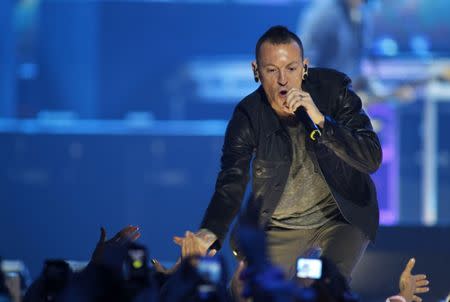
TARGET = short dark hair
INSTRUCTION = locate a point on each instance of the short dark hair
(278, 35)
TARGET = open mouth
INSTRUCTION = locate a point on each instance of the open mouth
(283, 93)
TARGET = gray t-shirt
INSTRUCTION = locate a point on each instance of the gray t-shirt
(306, 201)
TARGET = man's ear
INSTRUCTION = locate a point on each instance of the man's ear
(305, 61)
(255, 71)
(305, 69)
(254, 67)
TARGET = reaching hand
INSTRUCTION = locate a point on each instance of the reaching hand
(194, 245)
(410, 285)
(191, 245)
(127, 234)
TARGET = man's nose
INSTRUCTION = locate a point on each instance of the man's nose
(282, 79)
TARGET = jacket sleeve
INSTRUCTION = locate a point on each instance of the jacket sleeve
(233, 177)
(350, 134)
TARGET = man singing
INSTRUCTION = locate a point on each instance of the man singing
(313, 191)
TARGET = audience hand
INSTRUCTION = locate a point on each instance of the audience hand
(127, 234)
(167, 271)
(237, 283)
(411, 285)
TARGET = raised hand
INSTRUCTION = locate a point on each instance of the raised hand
(411, 285)
(127, 234)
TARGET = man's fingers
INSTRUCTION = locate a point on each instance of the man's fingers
(188, 245)
(184, 248)
(293, 94)
(422, 290)
(212, 253)
(422, 283)
(296, 99)
(296, 106)
(409, 265)
(178, 240)
(190, 251)
(420, 277)
(416, 298)
(293, 90)
(192, 247)
(303, 93)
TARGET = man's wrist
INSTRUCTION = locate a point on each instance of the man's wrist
(207, 236)
(321, 121)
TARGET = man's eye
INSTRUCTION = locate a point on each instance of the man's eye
(270, 70)
(292, 68)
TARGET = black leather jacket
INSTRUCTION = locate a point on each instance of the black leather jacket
(345, 154)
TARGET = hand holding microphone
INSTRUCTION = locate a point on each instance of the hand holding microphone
(302, 105)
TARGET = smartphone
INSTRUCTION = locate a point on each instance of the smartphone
(17, 273)
(210, 269)
(308, 268)
(135, 267)
(55, 275)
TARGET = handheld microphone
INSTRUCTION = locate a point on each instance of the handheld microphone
(311, 129)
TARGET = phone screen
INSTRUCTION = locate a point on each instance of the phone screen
(210, 269)
(309, 268)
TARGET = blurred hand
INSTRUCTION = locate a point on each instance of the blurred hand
(127, 234)
(13, 285)
(410, 285)
(237, 283)
(167, 271)
(405, 93)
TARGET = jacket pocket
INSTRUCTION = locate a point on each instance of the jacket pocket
(263, 169)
